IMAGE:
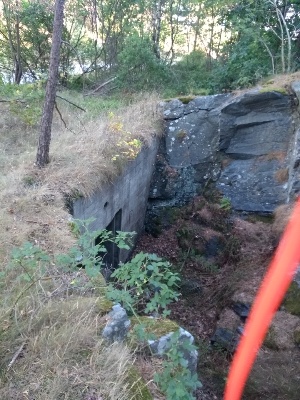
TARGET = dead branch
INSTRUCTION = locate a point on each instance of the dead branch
(60, 115)
(16, 355)
(12, 101)
(102, 86)
(70, 102)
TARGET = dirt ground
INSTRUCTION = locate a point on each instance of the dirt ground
(216, 277)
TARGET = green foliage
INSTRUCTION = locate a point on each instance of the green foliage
(152, 47)
(90, 247)
(191, 74)
(29, 260)
(37, 22)
(225, 204)
(176, 380)
(243, 65)
(25, 101)
(139, 68)
(145, 282)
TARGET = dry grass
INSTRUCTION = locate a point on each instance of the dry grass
(281, 80)
(32, 201)
(279, 83)
(281, 217)
(63, 357)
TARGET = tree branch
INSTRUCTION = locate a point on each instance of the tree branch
(60, 116)
(70, 102)
(16, 355)
(102, 85)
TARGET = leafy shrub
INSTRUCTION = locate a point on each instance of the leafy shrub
(145, 282)
(190, 74)
(139, 68)
(176, 380)
(25, 101)
(90, 247)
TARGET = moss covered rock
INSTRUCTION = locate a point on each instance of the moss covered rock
(292, 299)
(151, 327)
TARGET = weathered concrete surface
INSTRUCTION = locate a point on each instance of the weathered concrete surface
(248, 145)
(128, 193)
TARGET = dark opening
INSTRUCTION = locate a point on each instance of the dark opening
(112, 257)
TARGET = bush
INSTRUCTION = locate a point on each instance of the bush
(139, 68)
(191, 74)
(146, 282)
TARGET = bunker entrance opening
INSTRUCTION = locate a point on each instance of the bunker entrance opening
(111, 259)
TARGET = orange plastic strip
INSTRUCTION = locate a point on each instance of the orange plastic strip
(268, 299)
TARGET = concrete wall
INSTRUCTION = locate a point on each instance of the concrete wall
(129, 193)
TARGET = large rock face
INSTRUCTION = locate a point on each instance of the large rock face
(248, 145)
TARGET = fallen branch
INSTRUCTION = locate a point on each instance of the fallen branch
(16, 355)
(70, 102)
(102, 86)
(12, 101)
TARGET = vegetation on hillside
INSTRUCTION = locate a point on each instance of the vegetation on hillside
(174, 46)
(50, 317)
(118, 58)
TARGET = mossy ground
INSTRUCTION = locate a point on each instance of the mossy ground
(270, 341)
(152, 327)
(292, 299)
(138, 388)
(271, 88)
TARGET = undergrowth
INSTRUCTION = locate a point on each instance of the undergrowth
(59, 295)
(52, 313)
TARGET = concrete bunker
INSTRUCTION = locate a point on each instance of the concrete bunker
(120, 205)
(111, 259)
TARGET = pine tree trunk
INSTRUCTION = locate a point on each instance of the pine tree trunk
(42, 156)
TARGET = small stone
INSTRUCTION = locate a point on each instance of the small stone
(241, 309)
(162, 345)
(225, 339)
(117, 326)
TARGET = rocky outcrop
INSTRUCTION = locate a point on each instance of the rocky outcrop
(247, 145)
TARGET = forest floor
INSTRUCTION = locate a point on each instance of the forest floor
(222, 258)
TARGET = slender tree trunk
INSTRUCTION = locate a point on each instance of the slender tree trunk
(288, 35)
(156, 26)
(42, 156)
(14, 42)
(18, 62)
(270, 54)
